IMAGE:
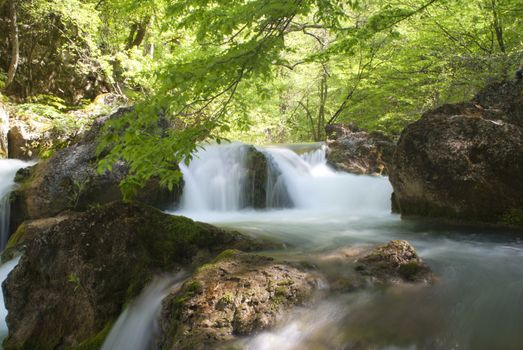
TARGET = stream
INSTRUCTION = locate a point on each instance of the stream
(477, 302)
(318, 213)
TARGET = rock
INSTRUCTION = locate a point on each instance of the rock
(235, 295)
(395, 262)
(27, 231)
(256, 185)
(504, 100)
(70, 180)
(28, 137)
(76, 276)
(464, 161)
(36, 130)
(355, 151)
(4, 129)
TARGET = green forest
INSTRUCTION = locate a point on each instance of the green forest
(257, 71)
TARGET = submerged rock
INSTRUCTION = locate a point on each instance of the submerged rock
(464, 161)
(70, 180)
(76, 276)
(356, 151)
(236, 295)
(395, 262)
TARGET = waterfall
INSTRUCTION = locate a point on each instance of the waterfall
(5, 269)
(215, 181)
(277, 195)
(8, 169)
(215, 178)
(137, 326)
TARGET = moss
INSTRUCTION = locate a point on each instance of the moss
(410, 270)
(136, 286)
(193, 287)
(205, 267)
(280, 291)
(189, 290)
(175, 239)
(96, 341)
(227, 254)
(513, 217)
(15, 238)
(287, 282)
(280, 295)
(225, 301)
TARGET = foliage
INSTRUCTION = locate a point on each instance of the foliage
(3, 77)
(270, 71)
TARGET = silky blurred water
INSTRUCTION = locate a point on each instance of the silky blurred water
(477, 302)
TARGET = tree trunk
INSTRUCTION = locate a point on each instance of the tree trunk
(137, 33)
(497, 23)
(324, 90)
(15, 46)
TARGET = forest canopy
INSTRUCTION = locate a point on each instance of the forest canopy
(261, 71)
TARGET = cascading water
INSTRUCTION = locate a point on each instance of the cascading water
(318, 212)
(8, 169)
(215, 181)
(137, 326)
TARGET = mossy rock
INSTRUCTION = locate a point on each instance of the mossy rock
(394, 262)
(78, 274)
(234, 295)
(96, 341)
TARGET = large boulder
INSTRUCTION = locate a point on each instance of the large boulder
(77, 275)
(356, 151)
(4, 129)
(464, 161)
(70, 180)
(236, 295)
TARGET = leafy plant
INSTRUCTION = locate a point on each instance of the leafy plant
(74, 279)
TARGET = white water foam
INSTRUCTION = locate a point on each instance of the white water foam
(214, 182)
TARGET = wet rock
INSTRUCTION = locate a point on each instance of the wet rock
(235, 295)
(256, 185)
(70, 180)
(28, 230)
(464, 161)
(77, 275)
(395, 262)
(356, 151)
